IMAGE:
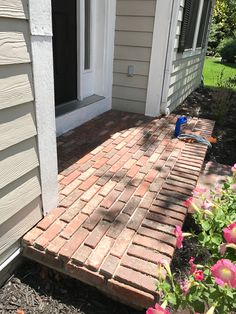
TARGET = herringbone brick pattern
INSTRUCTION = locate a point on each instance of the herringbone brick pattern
(122, 183)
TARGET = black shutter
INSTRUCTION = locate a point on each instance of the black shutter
(188, 25)
(206, 12)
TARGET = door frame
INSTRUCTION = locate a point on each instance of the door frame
(40, 20)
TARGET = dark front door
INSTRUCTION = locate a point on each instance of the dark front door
(64, 50)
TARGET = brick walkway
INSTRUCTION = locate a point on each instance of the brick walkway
(122, 182)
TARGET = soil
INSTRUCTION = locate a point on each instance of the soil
(201, 104)
(35, 289)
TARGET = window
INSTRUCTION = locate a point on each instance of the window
(206, 11)
(87, 33)
(188, 25)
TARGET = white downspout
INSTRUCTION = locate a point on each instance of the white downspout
(169, 56)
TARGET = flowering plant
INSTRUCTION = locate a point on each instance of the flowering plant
(208, 288)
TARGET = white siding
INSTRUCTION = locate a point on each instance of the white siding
(20, 204)
(133, 42)
(186, 70)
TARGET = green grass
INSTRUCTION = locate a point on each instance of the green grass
(213, 68)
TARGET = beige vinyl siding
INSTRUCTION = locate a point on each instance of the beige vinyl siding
(133, 43)
(186, 70)
(20, 192)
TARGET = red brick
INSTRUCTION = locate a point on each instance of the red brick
(118, 226)
(159, 235)
(136, 181)
(71, 198)
(137, 219)
(88, 183)
(73, 226)
(71, 187)
(163, 219)
(99, 163)
(170, 199)
(142, 189)
(50, 218)
(92, 205)
(126, 157)
(98, 255)
(122, 243)
(189, 168)
(31, 236)
(94, 219)
(151, 224)
(86, 174)
(110, 199)
(71, 177)
(142, 161)
(146, 168)
(123, 184)
(55, 245)
(109, 266)
(81, 255)
(167, 212)
(139, 265)
(178, 189)
(108, 148)
(152, 174)
(153, 243)
(173, 193)
(117, 166)
(136, 279)
(129, 295)
(84, 159)
(133, 171)
(150, 255)
(184, 178)
(113, 160)
(126, 195)
(131, 206)
(90, 193)
(74, 210)
(73, 244)
(96, 235)
(42, 242)
(114, 211)
(85, 275)
(178, 208)
(107, 188)
(147, 200)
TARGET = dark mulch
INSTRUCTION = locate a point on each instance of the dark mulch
(201, 104)
(36, 289)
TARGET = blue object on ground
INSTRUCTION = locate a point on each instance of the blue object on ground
(180, 121)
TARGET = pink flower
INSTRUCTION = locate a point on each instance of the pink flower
(188, 202)
(185, 285)
(199, 191)
(192, 265)
(224, 272)
(207, 205)
(157, 310)
(230, 233)
(233, 168)
(179, 237)
(198, 275)
(222, 249)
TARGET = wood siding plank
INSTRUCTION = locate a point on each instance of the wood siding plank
(19, 194)
(140, 68)
(136, 8)
(133, 54)
(13, 229)
(14, 42)
(16, 125)
(17, 9)
(17, 160)
(16, 85)
(129, 93)
(128, 105)
(136, 81)
(134, 39)
(135, 23)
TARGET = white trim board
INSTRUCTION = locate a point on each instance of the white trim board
(42, 59)
(162, 24)
(79, 116)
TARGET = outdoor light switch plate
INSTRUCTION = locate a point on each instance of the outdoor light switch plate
(131, 70)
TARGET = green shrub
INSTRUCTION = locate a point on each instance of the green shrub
(227, 49)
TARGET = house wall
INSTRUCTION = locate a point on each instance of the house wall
(186, 69)
(133, 42)
(20, 204)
